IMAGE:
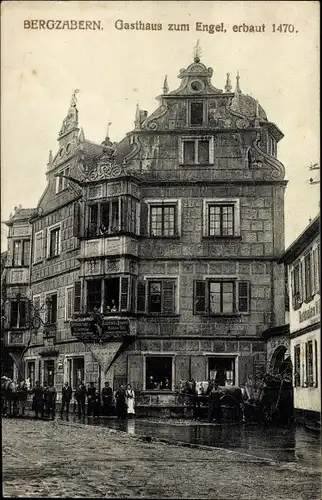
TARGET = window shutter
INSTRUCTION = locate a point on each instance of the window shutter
(44, 243)
(243, 296)
(144, 219)
(76, 221)
(180, 152)
(211, 151)
(317, 269)
(138, 217)
(293, 288)
(301, 283)
(315, 361)
(7, 314)
(199, 297)
(133, 294)
(141, 297)
(77, 297)
(168, 297)
(124, 293)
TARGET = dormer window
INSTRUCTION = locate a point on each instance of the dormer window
(196, 114)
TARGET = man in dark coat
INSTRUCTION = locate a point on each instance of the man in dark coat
(121, 407)
(80, 396)
(50, 395)
(38, 400)
(215, 411)
(107, 399)
(91, 399)
(65, 398)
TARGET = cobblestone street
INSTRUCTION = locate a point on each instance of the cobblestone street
(60, 459)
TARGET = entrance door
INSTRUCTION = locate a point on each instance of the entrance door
(49, 372)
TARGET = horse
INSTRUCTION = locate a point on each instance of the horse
(9, 396)
(235, 396)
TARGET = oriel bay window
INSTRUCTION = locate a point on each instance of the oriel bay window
(18, 314)
(197, 151)
(156, 296)
(21, 253)
(109, 295)
(112, 216)
(221, 297)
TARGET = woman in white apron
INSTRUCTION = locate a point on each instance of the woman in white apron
(130, 400)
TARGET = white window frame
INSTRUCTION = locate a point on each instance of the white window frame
(194, 138)
(158, 354)
(67, 288)
(40, 257)
(158, 277)
(49, 230)
(221, 201)
(165, 201)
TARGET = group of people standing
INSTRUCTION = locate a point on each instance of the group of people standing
(99, 403)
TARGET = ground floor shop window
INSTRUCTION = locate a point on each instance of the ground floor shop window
(75, 371)
(222, 370)
(158, 373)
(31, 373)
(49, 372)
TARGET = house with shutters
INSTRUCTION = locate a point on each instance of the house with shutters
(155, 259)
(302, 259)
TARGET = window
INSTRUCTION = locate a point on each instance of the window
(54, 242)
(297, 365)
(222, 218)
(21, 253)
(75, 371)
(51, 309)
(316, 268)
(197, 151)
(156, 296)
(112, 216)
(308, 277)
(38, 247)
(271, 146)
(18, 316)
(17, 253)
(196, 113)
(296, 285)
(163, 220)
(62, 182)
(109, 295)
(69, 303)
(158, 370)
(222, 370)
(31, 373)
(309, 363)
(215, 297)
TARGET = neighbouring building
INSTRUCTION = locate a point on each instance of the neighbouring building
(303, 261)
(156, 259)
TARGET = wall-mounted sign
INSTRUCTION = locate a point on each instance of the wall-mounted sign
(88, 331)
(310, 312)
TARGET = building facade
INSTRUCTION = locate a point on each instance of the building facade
(155, 259)
(303, 261)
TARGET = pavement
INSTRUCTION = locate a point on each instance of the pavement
(60, 459)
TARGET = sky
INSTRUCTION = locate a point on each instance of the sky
(114, 69)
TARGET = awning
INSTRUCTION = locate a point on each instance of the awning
(16, 359)
(105, 353)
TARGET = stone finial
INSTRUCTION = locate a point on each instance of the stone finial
(81, 136)
(228, 86)
(108, 130)
(237, 84)
(71, 120)
(137, 122)
(197, 52)
(165, 85)
(50, 159)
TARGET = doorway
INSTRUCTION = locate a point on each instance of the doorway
(49, 372)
